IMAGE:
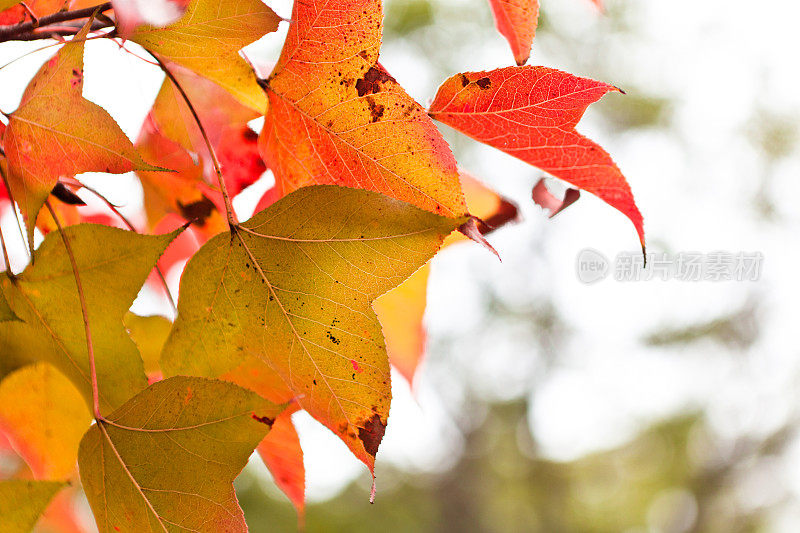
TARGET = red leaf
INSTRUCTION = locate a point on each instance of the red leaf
(546, 200)
(517, 20)
(531, 113)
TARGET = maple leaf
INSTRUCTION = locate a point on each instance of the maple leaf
(44, 141)
(207, 40)
(337, 117)
(113, 265)
(292, 288)
(22, 502)
(281, 452)
(517, 20)
(44, 417)
(531, 113)
(204, 431)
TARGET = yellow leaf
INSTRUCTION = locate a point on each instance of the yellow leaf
(207, 40)
(166, 460)
(292, 288)
(22, 502)
(149, 333)
(113, 264)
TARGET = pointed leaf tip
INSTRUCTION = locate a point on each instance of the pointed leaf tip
(470, 229)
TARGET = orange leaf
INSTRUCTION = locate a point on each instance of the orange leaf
(40, 8)
(337, 117)
(531, 113)
(44, 141)
(181, 191)
(517, 20)
(401, 310)
(281, 452)
(44, 417)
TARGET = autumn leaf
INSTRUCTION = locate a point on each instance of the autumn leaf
(531, 113)
(57, 133)
(217, 109)
(17, 14)
(149, 333)
(547, 200)
(401, 310)
(281, 452)
(22, 502)
(182, 191)
(166, 460)
(44, 417)
(292, 287)
(171, 137)
(113, 265)
(337, 117)
(207, 40)
(517, 20)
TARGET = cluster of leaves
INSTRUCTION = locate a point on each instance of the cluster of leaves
(303, 306)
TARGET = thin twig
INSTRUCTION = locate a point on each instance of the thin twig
(233, 222)
(131, 227)
(10, 33)
(84, 312)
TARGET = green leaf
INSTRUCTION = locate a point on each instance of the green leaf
(207, 40)
(113, 264)
(22, 502)
(56, 133)
(166, 460)
(292, 289)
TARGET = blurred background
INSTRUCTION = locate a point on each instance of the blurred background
(545, 404)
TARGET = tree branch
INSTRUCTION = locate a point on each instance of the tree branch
(12, 33)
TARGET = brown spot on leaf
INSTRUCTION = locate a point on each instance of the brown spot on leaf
(372, 80)
(375, 110)
(77, 77)
(372, 434)
(263, 419)
(198, 211)
(464, 80)
(484, 83)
